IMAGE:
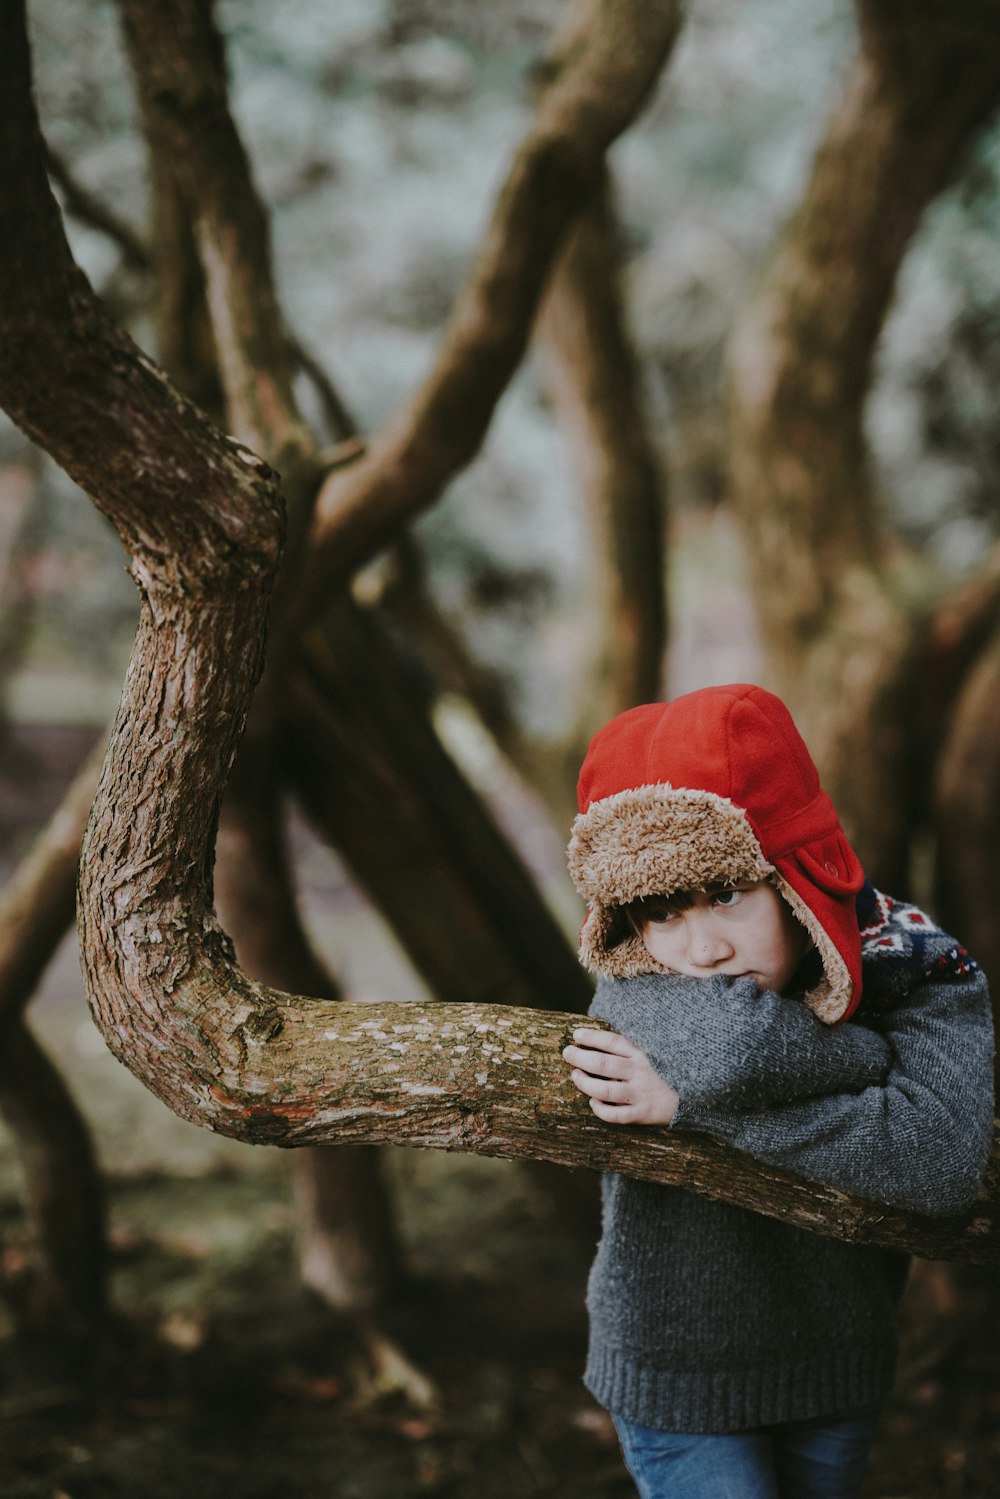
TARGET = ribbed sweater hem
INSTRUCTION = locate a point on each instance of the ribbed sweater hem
(828, 1385)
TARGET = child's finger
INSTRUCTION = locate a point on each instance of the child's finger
(607, 1089)
(599, 1063)
(603, 1041)
(613, 1113)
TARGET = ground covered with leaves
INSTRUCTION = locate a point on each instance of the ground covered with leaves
(226, 1378)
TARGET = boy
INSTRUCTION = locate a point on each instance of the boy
(734, 934)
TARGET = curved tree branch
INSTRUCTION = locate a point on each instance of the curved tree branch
(605, 67)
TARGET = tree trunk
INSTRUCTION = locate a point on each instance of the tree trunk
(838, 644)
(64, 1196)
(596, 383)
(66, 1271)
(968, 814)
(347, 1246)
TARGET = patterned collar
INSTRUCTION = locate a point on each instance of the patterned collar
(902, 947)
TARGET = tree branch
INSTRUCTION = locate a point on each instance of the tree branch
(88, 208)
(605, 67)
(37, 904)
(179, 64)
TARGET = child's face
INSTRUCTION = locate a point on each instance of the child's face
(741, 931)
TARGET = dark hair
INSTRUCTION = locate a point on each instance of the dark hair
(629, 920)
(654, 908)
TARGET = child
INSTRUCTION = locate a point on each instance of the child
(734, 934)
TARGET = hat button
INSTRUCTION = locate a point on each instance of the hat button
(831, 868)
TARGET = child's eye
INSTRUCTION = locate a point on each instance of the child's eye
(727, 898)
(661, 914)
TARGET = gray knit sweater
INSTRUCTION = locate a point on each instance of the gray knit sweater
(710, 1318)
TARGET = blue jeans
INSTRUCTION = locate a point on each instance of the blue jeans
(801, 1460)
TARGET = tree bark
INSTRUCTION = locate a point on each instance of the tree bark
(604, 68)
(838, 644)
(202, 170)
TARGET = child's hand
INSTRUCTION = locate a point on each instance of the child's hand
(617, 1076)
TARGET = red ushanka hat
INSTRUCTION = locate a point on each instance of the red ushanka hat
(715, 787)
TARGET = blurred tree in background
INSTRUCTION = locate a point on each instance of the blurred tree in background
(813, 398)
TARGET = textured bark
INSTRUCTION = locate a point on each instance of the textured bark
(838, 644)
(596, 383)
(605, 67)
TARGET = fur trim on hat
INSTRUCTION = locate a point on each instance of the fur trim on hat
(655, 839)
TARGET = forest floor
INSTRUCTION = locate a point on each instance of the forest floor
(225, 1378)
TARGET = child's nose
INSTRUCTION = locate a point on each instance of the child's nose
(707, 944)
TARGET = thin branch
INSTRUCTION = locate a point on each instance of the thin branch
(91, 210)
(342, 424)
(37, 902)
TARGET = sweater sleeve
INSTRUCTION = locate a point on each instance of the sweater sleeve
(724, 1042)
(919, 1140)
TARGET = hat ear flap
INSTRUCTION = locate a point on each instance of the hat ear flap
(831, 864)
(618, 929)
